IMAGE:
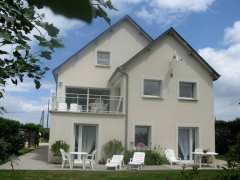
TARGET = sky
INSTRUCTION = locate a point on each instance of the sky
(212, 27)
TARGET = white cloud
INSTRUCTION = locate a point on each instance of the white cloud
(63, 23)
(183, 5)
(227, 62)
(232, 34)
(28, 86)
(162, 11)
(24, 109)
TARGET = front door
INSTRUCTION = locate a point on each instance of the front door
(85, 138)
(188, 141)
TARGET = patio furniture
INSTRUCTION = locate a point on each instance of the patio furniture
(116, 162)
(74, 107)
(137, 160)
(170, 155)
(199, 154)
(91, 159)
(65, 158)
(62, 106)
(79, 161)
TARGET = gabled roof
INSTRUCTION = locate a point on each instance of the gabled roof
(125, 18)
(171, 31)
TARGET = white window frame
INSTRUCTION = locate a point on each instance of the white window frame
(149, 135)
(152, 96)
(102, 65)
(195, 93)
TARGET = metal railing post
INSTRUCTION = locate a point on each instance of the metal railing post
(87, 109)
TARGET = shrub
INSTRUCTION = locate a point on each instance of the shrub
(112, 147)
(151, 157)
(11, 138)
(32, 134)
(226, 135)
(55, 148)
(229, 174)
(233, 156)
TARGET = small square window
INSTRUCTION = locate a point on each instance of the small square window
(142, 136)
(103, 58)
(152, 87)
(187, 90)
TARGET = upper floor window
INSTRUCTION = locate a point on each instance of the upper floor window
(103, 58)
(152, 87)
(187, 90)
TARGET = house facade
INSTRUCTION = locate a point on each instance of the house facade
(146, 93)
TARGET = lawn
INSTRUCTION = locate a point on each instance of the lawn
(78, 175)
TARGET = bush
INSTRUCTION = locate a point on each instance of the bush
(11, 138)
(55, 148)
(226, 135)
(233, 156)
(32, 134)
(151, 157)
(112, 147)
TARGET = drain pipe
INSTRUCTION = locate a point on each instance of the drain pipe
(126, 107)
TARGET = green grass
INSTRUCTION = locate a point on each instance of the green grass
(25, 150)
(90, 175)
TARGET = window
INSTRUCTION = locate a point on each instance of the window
(152, 87)
(103, 58)
(142, 136)
(187, 90)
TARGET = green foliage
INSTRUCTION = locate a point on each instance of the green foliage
(229, 174)
(226, 135)
(84, 10)
(189, 175)
(112, 147)
(11, 138)
(152, 157)
(233, 156)
(55, 148)
(20, 26)
(31, 132)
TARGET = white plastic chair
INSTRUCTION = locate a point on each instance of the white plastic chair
(65, 158)
(170, 155)
(116, 162)
(89, 160)
(137, 160)
(74, 107)
(62, 106)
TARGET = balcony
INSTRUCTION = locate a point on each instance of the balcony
(88, 103)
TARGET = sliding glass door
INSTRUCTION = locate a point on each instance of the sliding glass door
(188, 141)
(85, 138)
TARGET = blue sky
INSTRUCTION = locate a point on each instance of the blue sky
(212, 27)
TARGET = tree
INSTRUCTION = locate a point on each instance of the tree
(22, 26)
(11, 138)
(85, 10)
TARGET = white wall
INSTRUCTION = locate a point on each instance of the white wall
(109, 127)
(167, 114)
(122, 42)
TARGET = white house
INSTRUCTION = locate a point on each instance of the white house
(144, 92)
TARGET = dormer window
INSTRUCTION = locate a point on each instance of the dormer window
(103, 58)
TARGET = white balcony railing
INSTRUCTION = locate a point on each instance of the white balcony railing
(88, 103)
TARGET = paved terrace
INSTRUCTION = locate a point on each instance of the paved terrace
(37, 160)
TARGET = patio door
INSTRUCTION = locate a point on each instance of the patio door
(85, 138)
(188, 141)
